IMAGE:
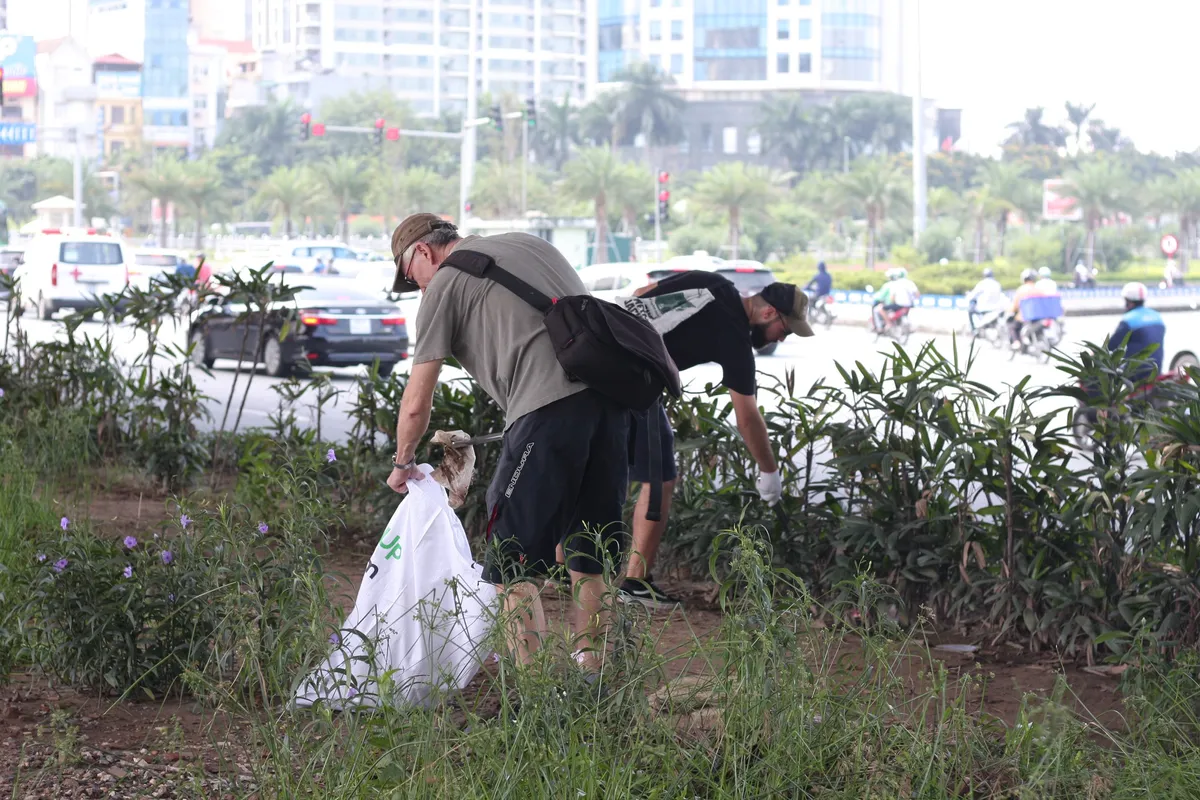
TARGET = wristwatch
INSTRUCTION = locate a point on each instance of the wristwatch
(410, 464)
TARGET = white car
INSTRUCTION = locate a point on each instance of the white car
(376, 278)
(307, 253)
(610, 281)
(150, 263)
(67, 269)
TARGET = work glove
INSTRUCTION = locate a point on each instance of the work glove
(770, 487)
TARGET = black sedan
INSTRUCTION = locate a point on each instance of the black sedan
(330, 325)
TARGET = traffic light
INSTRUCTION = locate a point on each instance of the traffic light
(664, 205)
(497, 118)
(380, 124)
(531, 113)
(318, 129)
(305, 122)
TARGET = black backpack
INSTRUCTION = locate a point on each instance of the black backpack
(599, 344)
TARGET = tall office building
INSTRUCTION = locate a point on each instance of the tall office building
(153, 33)
(725, 46)
(419, 49)
(727, 56)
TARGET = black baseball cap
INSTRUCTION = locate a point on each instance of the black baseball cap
(792, 305)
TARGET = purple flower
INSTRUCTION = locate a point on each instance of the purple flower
(351, 692)
(64, 523)
(167, 557)
(60, 565)
(1, 393)
(331, 456)
(334, 639)
(184, 521)
(130, 543)
(41, 557)
(262, 528)
(128, 572)
(171, 598)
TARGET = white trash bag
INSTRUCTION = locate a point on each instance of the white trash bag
(423, 614)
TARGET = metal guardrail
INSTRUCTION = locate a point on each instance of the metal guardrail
(948, 302)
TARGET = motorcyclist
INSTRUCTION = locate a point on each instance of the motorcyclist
(820, 285)
(1046, 286)
(986, 297)
(1027, 289)
(1139, 333)
(898, 293)
(1083, 276)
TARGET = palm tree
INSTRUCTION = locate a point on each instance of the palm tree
(346, 180)
(162, 180)
(1107, 139)
(1077, 116)
(398, 194)
(876, 187)
(634, 193)
(1100, 188)
(289, 192)
(594, 176)
(203, 193)
(1032, 131)
(787, 130)
(647, 106)
(982, 205)
(1006, 184)
(599, 120)
(557, 130)
(496, 191)
(1181, 195)
(733, 189)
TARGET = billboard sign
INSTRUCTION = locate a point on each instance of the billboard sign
(17, 54)
(1057, 205)
(119, 83)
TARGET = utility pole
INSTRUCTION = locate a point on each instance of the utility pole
(845, 154)
(77, 179)
(918, 125)
(466, 173)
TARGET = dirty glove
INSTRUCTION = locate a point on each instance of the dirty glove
(770, 487)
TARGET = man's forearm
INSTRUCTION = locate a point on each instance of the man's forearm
(753, 429)
(411, 425)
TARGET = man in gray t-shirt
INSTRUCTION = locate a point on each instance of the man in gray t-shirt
(563, 468)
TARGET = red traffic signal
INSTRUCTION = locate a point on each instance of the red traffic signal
(305, 118)
(393, 134)
(664, 196)
(380, 123)
(663, 177)
(318, 129)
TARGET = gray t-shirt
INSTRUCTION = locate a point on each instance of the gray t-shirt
(498, 337)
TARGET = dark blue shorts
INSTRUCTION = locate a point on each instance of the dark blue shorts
(639, 445)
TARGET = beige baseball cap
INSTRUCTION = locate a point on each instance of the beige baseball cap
(414, 228)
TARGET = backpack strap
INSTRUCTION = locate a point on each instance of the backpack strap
(481, 265)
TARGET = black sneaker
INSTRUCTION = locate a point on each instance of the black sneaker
(643, 590)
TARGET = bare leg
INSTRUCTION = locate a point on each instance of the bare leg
(526, 620)
(588, 618)
(646, 534)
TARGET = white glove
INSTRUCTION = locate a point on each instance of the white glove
(770, 487)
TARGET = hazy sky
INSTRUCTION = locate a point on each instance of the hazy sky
(1135, 60)
(994, 58)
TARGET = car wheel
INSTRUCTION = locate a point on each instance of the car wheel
(44, 309)
(385, 370)
(277, 367)
(1185, 359)
(201, 352)
(762, 351)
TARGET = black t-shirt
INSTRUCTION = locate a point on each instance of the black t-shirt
(718, 333)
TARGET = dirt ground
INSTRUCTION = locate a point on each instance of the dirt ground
(58, 743)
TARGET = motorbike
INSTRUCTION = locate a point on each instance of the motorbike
(896, 325)
(989, 326)
(1038, 338)
(821, 311)
(1154, 395)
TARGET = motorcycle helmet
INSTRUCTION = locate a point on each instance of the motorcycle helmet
(988, 273)
(901, 273)
(1028, 276)
(1134, 292)
(1044, 272)
(893, 274)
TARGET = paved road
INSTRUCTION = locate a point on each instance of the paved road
(810, 358)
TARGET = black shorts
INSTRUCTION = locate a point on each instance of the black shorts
(639, 445)
(563, 471)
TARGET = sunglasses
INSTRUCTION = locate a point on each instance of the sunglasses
(410, 252)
